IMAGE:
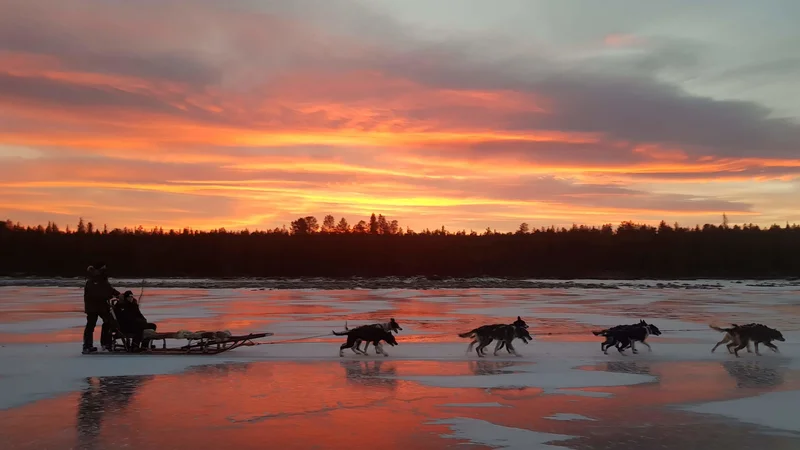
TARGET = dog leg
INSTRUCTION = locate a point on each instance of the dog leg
(633, 348)
(756, 346)
(748, 347)
(739, 347)
(472, 344)
(497, 347)
(724, 340)
(351, 341)
(605, 346)
(512, 349)
(366, 347)
(481, 346)
(772, 347)
(649, 349)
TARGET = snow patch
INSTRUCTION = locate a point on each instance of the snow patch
(774, 409)
(578, 393)
(568, 416)
(497, 436)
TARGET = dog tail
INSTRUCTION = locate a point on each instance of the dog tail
(599, 333)
(721, 330)
(468, 334)
(341, 334)
(345, 326)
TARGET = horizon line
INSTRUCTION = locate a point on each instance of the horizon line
(401, 229)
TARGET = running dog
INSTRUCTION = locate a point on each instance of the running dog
(368, 334)
(625, 336)
(758, 333)
(505, 333)
(522, 334)
(731, 337)
(390, 326)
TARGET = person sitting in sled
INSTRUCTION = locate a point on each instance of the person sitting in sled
(131, 320)
(96, 293)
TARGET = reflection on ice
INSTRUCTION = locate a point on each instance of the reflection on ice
(755, 374)
(101, 398)
(487, 367)
(374, 374)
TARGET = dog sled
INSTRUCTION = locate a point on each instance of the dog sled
(197, 343)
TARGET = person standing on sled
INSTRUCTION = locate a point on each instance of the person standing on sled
(96, 293)
(131, 320)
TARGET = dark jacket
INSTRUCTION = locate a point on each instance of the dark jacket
(96, 294)
(129, 317)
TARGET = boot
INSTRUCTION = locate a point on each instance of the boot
(88, 350)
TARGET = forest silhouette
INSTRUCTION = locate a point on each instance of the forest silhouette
(381, 247)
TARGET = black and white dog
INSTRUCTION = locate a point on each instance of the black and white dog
(368, 334)
(390, 326)
(625, 336)
(504, 333)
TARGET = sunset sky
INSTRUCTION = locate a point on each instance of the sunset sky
(463, 113)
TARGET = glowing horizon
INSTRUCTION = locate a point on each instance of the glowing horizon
(250, 114)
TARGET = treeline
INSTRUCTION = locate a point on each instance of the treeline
(381, 247)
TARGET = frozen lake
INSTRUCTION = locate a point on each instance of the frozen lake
(428, 394)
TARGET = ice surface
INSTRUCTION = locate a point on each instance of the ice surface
(775, 409)
(42, 325)
(569, 417)
(545, 375)
(497, 436)
(565, 371)
(474, 405)
(33, 372)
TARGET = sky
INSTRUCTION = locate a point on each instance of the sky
(463, 113)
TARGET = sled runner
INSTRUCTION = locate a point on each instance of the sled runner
(198, 343)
